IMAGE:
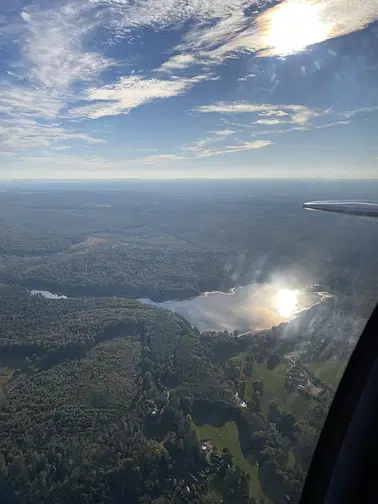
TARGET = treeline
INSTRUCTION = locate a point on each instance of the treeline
(126, 268)
(48, 331)
(167, 245)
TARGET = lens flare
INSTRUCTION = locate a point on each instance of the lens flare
(292, 26)
(286, 302)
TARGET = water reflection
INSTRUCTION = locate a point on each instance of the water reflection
(250, 308)
(46, 294)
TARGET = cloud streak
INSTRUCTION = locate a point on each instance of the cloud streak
(298, 114)
(129, 93)
(20, 101)
(225, 132)
(29, 119)
(22, 134)
(162, 158)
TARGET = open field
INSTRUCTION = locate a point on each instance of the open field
(227, 436)
(274, 389)
(329, 371)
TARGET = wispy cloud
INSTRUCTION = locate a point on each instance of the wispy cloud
(53, 45)
(52, 59)
(162, 158)
(200, 149)
(231, 149)
(331, 124)
(286, 28)
(246, 77)
(128, 93)
(127, 16)
(60, 147)
(178, 62)
(257, 144)
(270, 122)
(19, 133)
(29, 118)
(363, 110)
(298, 114)
(225, 132)
(61, 71)
(29, 102)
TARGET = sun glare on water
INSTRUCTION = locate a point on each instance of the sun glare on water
(286, 302)
(293, 25)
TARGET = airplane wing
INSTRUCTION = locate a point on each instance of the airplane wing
(359, 208)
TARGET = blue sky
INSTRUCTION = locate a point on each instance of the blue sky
(180, 88)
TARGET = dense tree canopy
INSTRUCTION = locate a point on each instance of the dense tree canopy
(102, 398)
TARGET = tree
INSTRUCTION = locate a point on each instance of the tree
(273, 361)
(258, 386)
(3, 467)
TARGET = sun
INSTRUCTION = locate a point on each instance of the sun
(286, 302)
(292, 26)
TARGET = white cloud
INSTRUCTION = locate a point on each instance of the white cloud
(363, 110)
(20, 133)
(53, 45)
(224, 32)
(29, 119)
(128, 93)
(196, 146)
(246, 77)
(127, 16)
(178, 62)
(200, 149)
(16, 100)
(225, 132)
(229, 149)
(60, 147)
(291, 26)
(56, 68)
(257, 144)
(270, 122)
(275, 113)
(279, 131)
(52, 58)
(161, 158)
(330, 125)
(299, 114)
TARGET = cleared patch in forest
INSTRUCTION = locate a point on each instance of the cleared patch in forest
(227, 436)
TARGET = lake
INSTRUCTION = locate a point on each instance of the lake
(248, 308)
(253, 307)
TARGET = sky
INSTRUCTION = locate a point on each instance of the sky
(188, 89)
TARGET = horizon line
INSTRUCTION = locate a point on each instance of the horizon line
(167, 179)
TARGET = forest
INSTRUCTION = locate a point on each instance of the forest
(176, 241)
(105, 399)
(107, 396)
